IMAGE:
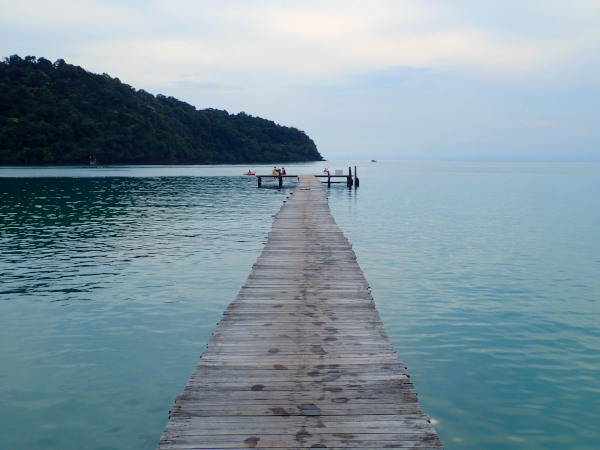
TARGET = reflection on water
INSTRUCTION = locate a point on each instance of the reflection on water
(75, 236)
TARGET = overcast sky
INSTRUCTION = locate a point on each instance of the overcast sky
(383, 79)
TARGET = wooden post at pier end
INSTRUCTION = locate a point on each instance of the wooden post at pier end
(348, 179)
(300, 358)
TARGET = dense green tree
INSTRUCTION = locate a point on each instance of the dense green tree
(57, 113)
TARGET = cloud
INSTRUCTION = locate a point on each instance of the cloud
(314, 40)
(326, 39)
(55, 18)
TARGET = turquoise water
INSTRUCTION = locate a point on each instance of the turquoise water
(486, 276)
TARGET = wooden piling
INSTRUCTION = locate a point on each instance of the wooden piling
(300, 358)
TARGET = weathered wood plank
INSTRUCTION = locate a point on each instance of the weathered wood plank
(300, 359)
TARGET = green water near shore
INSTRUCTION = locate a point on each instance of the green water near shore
(485, 275)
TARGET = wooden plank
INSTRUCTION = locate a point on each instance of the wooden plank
(355, 441)
(300, 359)
(318, 424)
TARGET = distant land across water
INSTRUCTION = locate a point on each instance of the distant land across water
(60, 114)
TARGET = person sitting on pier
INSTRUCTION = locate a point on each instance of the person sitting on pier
(283, 171)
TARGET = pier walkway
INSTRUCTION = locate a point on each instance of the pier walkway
(300, 358)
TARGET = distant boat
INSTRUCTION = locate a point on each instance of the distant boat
(249, 173)
(373, 160)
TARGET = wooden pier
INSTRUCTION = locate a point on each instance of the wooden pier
(300, 358)
(349, 179)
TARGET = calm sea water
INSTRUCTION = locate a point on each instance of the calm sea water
(486, 276)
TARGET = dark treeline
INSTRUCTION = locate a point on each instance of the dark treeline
(57, 113)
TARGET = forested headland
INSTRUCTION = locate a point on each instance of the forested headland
(58, 113)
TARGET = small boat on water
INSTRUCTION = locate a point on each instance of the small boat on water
(249, 173)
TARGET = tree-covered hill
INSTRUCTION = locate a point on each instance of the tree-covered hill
(57, 113)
